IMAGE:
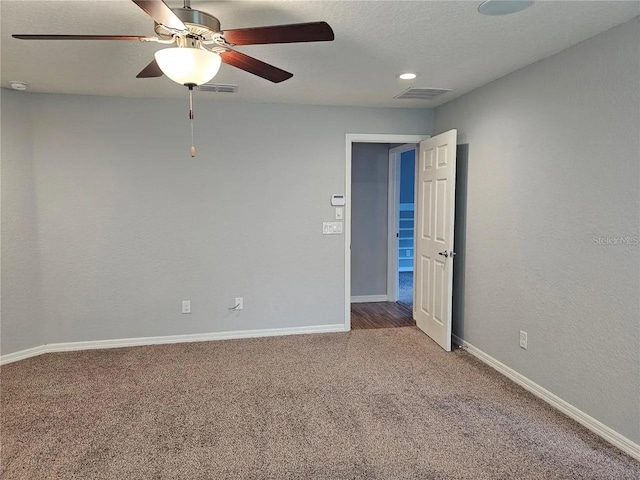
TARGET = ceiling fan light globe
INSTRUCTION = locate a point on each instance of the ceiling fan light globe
(186, 65)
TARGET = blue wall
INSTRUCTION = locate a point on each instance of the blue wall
(407, 187)
(407, 176)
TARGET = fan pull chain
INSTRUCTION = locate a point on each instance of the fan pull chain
(193, 148)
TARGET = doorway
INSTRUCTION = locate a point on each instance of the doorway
(434, 226)
(374, 303)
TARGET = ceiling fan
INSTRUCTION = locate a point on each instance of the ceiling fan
(201, 46)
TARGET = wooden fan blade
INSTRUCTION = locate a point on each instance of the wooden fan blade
(81, 37)
(255, 66)
(161, 13)
(150, 71)
(295, 32)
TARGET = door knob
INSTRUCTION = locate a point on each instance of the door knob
(447, 254)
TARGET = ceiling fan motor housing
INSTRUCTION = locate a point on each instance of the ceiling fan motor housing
(199, 23)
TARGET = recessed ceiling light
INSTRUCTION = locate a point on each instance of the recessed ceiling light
(407, 76)
(503, 7)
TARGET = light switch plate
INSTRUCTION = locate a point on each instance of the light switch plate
(332, 228)
(339, 213)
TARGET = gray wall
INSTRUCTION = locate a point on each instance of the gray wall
(21, 275)
(553, 165)
(369, 205)
(116, 224)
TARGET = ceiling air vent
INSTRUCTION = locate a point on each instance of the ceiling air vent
(218, 87)
(422, 93)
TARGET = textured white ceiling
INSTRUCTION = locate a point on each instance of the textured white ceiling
(448, 43)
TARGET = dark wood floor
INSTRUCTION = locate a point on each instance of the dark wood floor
(380, 315)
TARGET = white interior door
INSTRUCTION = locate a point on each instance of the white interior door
(435, 210)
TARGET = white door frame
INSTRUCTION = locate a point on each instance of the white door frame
(352, 138)
(393, 223)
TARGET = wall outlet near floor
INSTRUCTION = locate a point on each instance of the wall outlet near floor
(523, 339)
(186, 306)
(239, 303)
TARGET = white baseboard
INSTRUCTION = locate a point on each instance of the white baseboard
(369, 298)
(22, 354)
(610, 435)
(196, 337)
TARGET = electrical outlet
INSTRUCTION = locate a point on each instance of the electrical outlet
(523, 339)
(186, 306)
(239, 303)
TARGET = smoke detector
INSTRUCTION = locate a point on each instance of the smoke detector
(17, 85)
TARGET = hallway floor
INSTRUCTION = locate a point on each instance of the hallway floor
(405, 289)
(380, 315)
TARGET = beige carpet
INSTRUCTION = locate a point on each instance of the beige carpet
(370, 404)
